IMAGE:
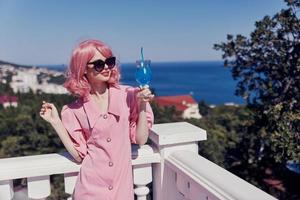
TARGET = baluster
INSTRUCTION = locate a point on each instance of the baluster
(6, 190)
(38, 187)
(142, 176)
(70, 180)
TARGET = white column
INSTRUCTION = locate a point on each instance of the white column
(38, 187)
(142, 159)
(6, 190)
(70, 180)
(167, 138)
(142, 176)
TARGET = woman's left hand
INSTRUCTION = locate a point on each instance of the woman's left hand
(144, 96)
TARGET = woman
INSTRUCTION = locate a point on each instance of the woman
(99, 127)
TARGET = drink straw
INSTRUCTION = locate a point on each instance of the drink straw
(142, 57)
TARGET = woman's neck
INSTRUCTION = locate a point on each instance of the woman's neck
(100, 95)
(99, 89)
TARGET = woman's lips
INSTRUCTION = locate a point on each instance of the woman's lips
(105, 73)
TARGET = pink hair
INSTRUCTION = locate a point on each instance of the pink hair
(76, 82)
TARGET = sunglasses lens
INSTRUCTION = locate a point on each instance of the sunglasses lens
(99, 65)
(110, 62)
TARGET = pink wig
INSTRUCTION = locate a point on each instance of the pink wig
(76, 82)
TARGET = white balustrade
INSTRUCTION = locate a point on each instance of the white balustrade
(183, 174)
(167, 138)
(171, 163)
(37, 169)
(201, 179)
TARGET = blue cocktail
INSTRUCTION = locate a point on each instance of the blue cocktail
(143, 72)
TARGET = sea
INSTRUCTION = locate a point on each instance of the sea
(204, 80)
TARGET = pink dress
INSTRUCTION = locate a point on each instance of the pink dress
(104, 140)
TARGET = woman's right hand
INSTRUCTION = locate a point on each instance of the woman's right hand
(49, 113)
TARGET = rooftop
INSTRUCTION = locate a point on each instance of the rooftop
(181, 102)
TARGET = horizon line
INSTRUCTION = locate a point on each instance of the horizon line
(127, 62)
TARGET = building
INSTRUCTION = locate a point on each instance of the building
(184, 103)
(23, 81)
(26, 80)
(51, 88)
(7, 101)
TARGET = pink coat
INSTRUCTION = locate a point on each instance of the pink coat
(104, 140)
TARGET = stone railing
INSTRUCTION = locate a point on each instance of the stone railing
(171, 162)
(37, 169)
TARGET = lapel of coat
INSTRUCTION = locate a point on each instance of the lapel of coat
(115, 101)
(92, 109)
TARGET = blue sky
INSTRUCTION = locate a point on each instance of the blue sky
(45, 32)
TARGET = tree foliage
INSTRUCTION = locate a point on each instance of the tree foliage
(267, 68)
(23, 132)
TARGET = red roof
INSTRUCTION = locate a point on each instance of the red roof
(5, 99)
(180, 102)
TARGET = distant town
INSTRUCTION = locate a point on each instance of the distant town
(38, 79)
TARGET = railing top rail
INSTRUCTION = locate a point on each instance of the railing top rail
(175, 133)
(215, 179)
(60, 163)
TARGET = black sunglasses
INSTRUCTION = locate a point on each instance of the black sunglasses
(100, 64)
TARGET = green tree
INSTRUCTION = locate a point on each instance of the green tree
(165, 114)
(23, 132)
(203, 108)
(225, 126)
(267, 68)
